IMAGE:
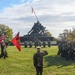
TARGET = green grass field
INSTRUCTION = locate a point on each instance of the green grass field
(21, 63)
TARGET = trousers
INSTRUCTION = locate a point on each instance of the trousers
(39, 70)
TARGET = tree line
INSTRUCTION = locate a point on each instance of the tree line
(8, 33)
(68, 35)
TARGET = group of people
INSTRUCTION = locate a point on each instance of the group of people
(37, 43)
(3, 50)
(67, 49)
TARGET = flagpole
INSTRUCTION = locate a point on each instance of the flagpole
(9, 43)
(11, 40)
(35, 13)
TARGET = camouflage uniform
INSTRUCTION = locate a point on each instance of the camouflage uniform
(70, 52)
(49, 43)
(30, 44)
(67, 50)
(44, 44)
(38, 61)
(36, 44)
(3, 50)
(25, 44)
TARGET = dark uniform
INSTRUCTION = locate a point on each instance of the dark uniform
(36, 44)
(39, 43)
(25, 44)
(30, 44)
(70, 52)
(38, 61)
(49, 43)
(3, 50)
(67, 50)
(44, 44)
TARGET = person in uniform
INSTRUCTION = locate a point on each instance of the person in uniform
(49, 43)
(38, 60)
(39, 43)
(44, 44)
(3, 50)
(25, 44)
(30, 44)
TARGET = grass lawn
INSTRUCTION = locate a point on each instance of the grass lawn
(21, 63)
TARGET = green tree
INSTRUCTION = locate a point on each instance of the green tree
(48, 33)
(8, 33)
(68, 35)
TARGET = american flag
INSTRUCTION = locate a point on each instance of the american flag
(2, 37)
(32, 9)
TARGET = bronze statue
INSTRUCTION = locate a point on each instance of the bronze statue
(37, 29)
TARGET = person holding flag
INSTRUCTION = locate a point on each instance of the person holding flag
(2, 38)
(3, 50)
(3, 46)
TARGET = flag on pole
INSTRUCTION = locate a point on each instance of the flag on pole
(34, 13)
(16, 41)
(32, 9)
(2, 37)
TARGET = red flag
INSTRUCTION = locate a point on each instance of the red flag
(2, 37)
(16, 41)
(32, 9)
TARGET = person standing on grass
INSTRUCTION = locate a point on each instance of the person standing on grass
(38, 60)
(3, 50)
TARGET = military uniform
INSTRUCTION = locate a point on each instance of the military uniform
(67, 50)
(39, 43)
(44, 44)
(25, 44)
(38, 61)
(49, 43)
(30, 44)
(3, 50)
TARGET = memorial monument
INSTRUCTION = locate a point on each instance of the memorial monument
(37, 32)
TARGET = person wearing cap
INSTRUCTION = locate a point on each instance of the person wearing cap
(38, 60)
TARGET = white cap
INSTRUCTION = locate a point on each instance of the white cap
(38, 47)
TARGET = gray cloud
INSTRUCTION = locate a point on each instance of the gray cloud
(55, 15)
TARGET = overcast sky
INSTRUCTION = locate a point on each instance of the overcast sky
(55, 15)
